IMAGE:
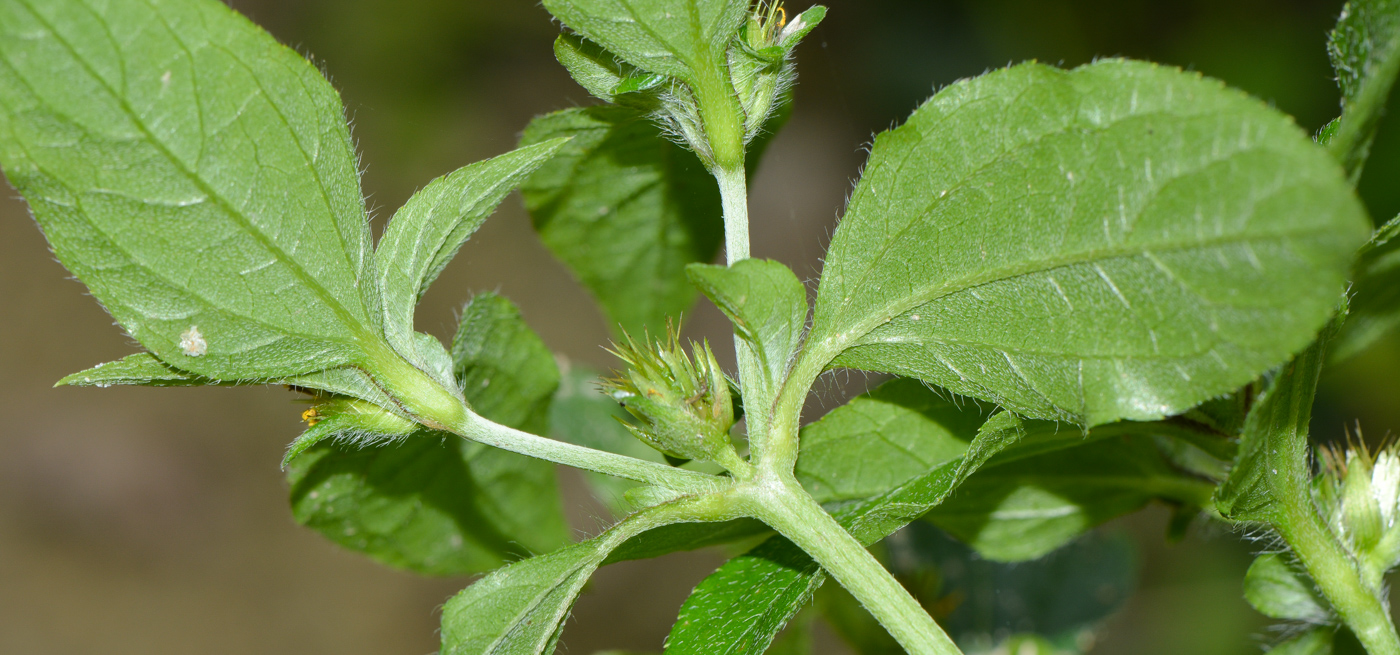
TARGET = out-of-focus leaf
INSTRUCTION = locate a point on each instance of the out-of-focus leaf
(1280, 589)
(1029, 507)
(197, 176)
(1365, 51)
(990, 239)
(1059, 597)
(433, 502)
(1373, 310)
(626, 210)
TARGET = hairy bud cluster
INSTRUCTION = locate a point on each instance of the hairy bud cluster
(683, 403)
(1357, 493)
(760, 72)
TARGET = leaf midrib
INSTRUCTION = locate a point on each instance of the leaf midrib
(326, 297)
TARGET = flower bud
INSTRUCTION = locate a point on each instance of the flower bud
(1357, 494)
(683, 404)
(760, 62)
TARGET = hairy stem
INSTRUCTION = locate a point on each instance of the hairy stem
(787, 508)
(436, 407)
(734, 194)
(1338, 578)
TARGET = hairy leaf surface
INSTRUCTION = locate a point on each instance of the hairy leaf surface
(520, 609)
(679, 38)
(1014, 216)
(884, 438)
(1281, 589)
(1365, 52)
(196, 175)
(436, 503)
(768, 306)
(426, 233)
(625, 209)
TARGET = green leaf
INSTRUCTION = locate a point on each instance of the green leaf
(506, 371)
(1374, 306)
(991, 238)
(592, 66)
(742, 606)
(1274, 459)
(432, 502)
(139, 369)
(1365, 52)
(426, 233)
(681, 38)
(1280, 589)
(625, 210)
(1317, 641)
(768, 306)
(196, 175)
(145, 370)
(1058, 597)
(884, 438)
(520, 609)
(767, 586)
(1026, 508)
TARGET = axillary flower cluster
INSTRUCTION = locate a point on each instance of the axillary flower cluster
(1357, 493)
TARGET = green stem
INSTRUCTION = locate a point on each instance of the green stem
(438, 408)
(734, 194)
(786, 507)
(1338, 578)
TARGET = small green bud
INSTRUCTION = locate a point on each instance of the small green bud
(683, 403)
(760, 63)
(1357, 493)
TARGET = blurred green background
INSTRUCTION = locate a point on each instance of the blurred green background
(155, 521)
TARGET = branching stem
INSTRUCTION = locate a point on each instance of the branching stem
(789, 509)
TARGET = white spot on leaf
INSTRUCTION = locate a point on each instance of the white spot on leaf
(192, 343)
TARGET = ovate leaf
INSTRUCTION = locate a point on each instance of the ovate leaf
(428, 230)
(1028, 507)
(432, 502)
(1057, 598)
(768, 306)
(673, 37)
(884, 438)
(196, 175)
(1365, 51)
(1280, 589)
(625, 209)
(520, 609)
(995, 234)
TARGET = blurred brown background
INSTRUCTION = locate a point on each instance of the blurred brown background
(155, 520)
